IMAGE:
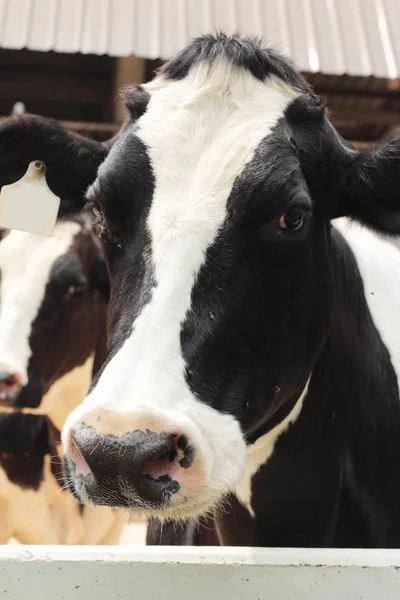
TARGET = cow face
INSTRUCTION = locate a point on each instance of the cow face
(215, 319)
(49, 309)
(213, 205)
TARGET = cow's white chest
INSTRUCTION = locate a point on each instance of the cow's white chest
(261, 451)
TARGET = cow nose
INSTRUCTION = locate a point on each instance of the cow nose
(10, 386)
(138, 465)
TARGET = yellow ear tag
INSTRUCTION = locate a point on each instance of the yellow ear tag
(29, 204)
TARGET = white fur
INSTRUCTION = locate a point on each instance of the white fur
(379, 265)
(199, 132)
(261, 451)
(25, 264)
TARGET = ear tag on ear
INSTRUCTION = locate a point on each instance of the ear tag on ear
(29, 204)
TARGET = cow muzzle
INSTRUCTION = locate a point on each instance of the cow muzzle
(132, 462)
(170, 462)
(144, 466)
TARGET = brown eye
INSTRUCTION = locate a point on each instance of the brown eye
(292, 219)
(97, 210)
(74, 291)
(98, 225)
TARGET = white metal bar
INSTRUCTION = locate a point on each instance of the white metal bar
(107, 573)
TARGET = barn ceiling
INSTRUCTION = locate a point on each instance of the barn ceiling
(354, 37)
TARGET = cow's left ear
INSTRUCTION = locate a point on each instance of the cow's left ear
(366, 186)
(71, 160)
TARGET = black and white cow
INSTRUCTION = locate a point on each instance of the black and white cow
(254, 350)
(53, 308)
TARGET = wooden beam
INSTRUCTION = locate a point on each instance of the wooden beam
(361, 145)
(390, 132)
(357, 117)
(111, 128)
(128, 71)
(59, 87)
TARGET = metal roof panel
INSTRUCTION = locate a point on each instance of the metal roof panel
(357, 37)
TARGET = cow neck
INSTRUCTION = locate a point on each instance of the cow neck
(278, 413)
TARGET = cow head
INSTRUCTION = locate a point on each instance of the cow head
(53, 298)
(214, 205)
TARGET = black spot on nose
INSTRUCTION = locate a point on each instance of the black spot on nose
(188, 452)
(127, 470)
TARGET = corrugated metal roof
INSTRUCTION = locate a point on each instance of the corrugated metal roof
(357, 37)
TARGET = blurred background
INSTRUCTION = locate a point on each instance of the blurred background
(68, 58)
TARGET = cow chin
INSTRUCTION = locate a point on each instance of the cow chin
(168, 464)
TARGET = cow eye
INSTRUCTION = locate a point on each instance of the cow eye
(98, 225)
(74, 291)
(292, 219)
(97, 210)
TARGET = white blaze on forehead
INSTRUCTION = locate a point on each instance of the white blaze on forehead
(25, 264)
(199, 133)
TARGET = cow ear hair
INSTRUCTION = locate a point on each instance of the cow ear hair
(365, 186)
(71, 160)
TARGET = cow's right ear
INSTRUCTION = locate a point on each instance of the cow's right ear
(71, 160)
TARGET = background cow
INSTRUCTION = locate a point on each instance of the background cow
(254, 355)
(53, 304)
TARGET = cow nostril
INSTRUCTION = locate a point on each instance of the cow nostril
(159, 467)
(10, 386)
(141, 466)
(81, 466)
(179, 455)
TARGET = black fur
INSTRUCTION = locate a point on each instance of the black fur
(136, 101)
(71, 160)
(245, 53)
(24, 443)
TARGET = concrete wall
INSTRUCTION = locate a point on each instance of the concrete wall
(108, 573)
